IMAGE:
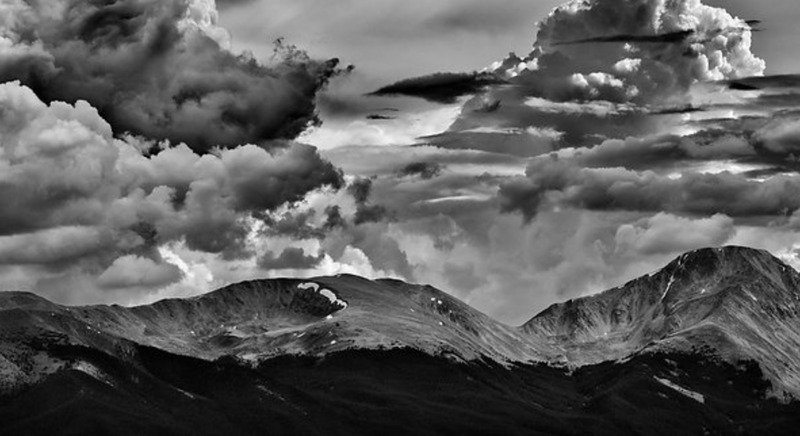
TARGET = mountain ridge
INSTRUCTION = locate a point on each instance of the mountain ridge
(734, 302)
(703, 346)
(713, 299)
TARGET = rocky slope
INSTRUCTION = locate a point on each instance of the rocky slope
(735, 303)
(257, 320)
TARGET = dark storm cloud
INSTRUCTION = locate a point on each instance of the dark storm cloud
(783, 81)
(553, 182)
(258, 185)
(442, 88)
(425, 170)
(79, 201)
(360, 189)
(370, 213)
(294, 225)
(290, 258)
(225, 4)
(676, 37)
(514, 142)
(666, 152)
(333, 218)
(664, 38)
(160, 69)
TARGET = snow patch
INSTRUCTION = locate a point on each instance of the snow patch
(307, 286)
(91, 370)
(327, 293)
(669, 285)
(188, 394)
(686, 392)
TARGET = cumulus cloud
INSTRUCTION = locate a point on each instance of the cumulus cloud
(641, 51)
(74, 194)
(160, 69)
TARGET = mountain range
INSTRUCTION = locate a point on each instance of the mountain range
(709, 344)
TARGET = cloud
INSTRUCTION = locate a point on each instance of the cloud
(78, 199)
(782, 81)
(333, 218)
(225, 4)
(51, 246)
(159, 69)
(290, 258)
(296, 226)
(426, 170)
(360, 189)
(134, 271)
(780, 135)
(463, 278)
(678, 36)
(667, 234)
(514, 142)
(442, 88)
(554, 182)
(671, 44)
(663, 152)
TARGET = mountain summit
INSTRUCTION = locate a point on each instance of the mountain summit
(736, 303)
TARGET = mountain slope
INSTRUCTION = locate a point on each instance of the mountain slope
(702, 346)
(257, 320)
(736, 303)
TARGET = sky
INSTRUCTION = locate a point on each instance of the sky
(154, 149)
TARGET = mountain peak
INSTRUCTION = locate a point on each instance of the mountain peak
(710, 257)
(696, 272)
(738, 302)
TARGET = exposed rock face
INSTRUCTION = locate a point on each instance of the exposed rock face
(736, 303)
(256, 320)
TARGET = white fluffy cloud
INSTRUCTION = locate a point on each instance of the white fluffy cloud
(637, 50)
